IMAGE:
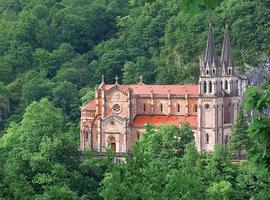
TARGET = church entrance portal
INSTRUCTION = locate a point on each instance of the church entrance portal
(112, 143)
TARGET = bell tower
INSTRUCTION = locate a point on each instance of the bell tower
(229, 78)
(218, 91)
(230, 83)
(209, 69)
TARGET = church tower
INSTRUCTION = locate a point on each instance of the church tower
(229, 78)
(218, 96)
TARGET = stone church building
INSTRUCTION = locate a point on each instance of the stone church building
(117, 116)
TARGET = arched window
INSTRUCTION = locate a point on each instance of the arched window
(144, 107)
(226, 139)
(236, 87)
(214, 71)
(204, 87)
(227, 113)
(207, 138)
(210, 86)
(138, 135)
(195, 108)
(226, 85)
(161, 107)
(230, 113)
(207, 72)
(230, 71)
(221, 85)
(112, 143)
(86, 135)
(178, 107)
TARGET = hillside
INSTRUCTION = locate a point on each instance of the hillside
(60, 49)
(53, 54)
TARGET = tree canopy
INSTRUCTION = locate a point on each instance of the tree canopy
(53, 54)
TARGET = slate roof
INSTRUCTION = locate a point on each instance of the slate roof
(226, 54)
(210, 56)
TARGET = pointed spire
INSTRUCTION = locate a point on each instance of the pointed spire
(102, 79)
(210, 56)
(226, 55)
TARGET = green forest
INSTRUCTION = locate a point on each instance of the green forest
(52, 56)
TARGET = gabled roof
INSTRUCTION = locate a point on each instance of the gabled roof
(158, 89)
(141, 120)
(116, 86)
(90, 106)
(117, 118)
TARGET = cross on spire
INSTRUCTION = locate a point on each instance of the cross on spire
(141, 79)
(116, 79)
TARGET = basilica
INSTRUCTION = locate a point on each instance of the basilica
(117, 117)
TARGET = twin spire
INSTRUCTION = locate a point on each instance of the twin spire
(210, 58)
(226, 55)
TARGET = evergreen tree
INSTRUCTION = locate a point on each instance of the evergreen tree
(257, 99)
(239, 140)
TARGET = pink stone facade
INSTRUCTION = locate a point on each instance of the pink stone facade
(117, 116)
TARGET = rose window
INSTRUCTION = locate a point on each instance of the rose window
(207, 106)
(116, 108)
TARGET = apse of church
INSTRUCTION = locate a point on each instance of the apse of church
(117, 116)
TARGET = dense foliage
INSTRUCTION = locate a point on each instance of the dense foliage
(60, 49)
(53, 53)
(165, 164)
(40, 160)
